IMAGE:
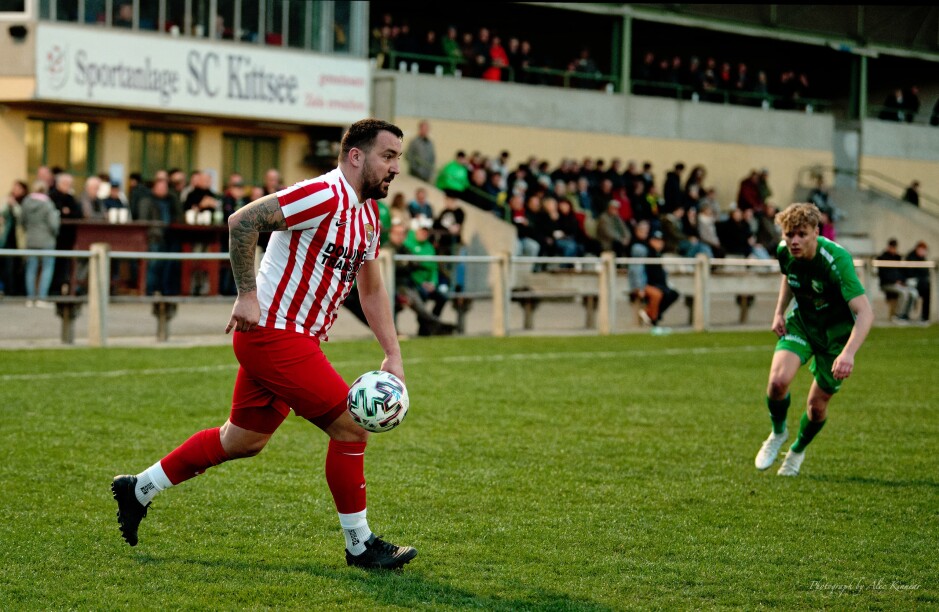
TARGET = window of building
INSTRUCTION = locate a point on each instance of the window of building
(152, 150)
(68, 145)
(249, 156)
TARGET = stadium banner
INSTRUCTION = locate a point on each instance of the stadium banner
(152, 71)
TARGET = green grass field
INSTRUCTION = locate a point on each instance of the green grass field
(580, 473)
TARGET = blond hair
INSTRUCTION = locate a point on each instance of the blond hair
(797, 215)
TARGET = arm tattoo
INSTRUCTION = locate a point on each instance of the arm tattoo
(262, 215)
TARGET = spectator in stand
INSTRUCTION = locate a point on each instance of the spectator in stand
(90, 203)
(420, 154)
(453, 178)
(495, 191)
(137, 190)
(399, 211)
(272, 182)
(696, 178)
(116, 199)
(911, 103)
(672, 188)
(420, 207)
(826, 227)
(585, 198)
(761, 88)
(691, 199)
(604, 194)
(748, 196)
(406, 290)
(526, 245)
(448, 227)
(513, 51)
(429, 283)
(540, 225)
(11, 211)
(47, 176)
(694, 76)
(477, 193)
(631, 176)
(911, 194)
(769, 235)
(647, 178)
(764, 190)
(161, 208)
(40, 219)
(677, 240)
(710, 199)
(430, 47)
(649, 282)
(612, 232)
(820, 195)
(735, 234)
(498, 62)
(481, 57)
(894, 107)
(707, 229)
(177, 180)
(64, 200)
(569, 234)
(468, 50)
(893, 283)
(584, 65)
(920, 278)
(450, 48)
(741, 84)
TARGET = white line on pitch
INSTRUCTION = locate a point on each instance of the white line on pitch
(414, 360)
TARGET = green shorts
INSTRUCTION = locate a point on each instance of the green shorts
(798, 341)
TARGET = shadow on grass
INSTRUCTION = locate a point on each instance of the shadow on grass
(879, 482)
(406, 588)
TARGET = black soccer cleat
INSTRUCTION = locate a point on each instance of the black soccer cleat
(381, 555)
(129, 511)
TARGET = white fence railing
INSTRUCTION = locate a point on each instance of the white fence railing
(601, 282)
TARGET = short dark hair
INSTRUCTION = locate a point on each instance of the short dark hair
(361, 135)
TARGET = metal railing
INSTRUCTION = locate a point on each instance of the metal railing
(665, 89)
(871, 180)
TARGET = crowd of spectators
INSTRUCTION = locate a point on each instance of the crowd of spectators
(32, 218)
(583, 207)
(482, 53)
(902, 105)
(711, 79)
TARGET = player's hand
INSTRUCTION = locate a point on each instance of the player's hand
(393, 365)
(843, 366)
(245, 314)
(779, 325)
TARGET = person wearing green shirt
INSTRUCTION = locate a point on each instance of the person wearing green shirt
(829, 322)
(453, 178)
(425, 275)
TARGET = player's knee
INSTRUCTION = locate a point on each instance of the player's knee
(247, 448)
(817, 410)
(778, 386)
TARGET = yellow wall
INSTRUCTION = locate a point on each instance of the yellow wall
(12, 148)
(726, 164)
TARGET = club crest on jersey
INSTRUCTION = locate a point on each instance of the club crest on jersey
(817, 286)
(369, 232)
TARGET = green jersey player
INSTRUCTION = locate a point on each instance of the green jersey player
(829, 322)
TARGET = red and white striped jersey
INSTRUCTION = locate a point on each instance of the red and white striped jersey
(308, 270)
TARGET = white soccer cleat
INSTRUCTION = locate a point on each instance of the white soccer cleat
(770, 450)
(791, 463)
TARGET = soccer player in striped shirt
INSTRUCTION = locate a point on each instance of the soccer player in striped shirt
(830, 321)
(325, 237)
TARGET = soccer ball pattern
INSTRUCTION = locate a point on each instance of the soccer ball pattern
(378, 401)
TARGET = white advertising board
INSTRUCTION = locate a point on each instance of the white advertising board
(150, 71)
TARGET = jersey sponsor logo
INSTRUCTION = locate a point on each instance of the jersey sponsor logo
(793, 281)
(344, 259)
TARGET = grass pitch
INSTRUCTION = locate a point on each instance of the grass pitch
(532, 473)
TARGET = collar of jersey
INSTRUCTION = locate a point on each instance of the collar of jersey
(353, 196)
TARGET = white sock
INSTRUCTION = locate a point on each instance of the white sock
(151, 482)
(355, 529)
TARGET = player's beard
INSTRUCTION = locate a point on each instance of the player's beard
(373, 186)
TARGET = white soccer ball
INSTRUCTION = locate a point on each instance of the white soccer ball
(378, 401)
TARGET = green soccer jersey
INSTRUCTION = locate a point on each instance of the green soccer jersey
(822, 288)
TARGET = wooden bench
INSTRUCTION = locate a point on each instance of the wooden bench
(165, 306)
(529, 300)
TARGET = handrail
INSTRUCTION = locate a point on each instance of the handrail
(806, 104)
(859, 176)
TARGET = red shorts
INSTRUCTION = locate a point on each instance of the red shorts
(281, 370)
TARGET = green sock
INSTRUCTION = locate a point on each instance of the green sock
(807, 430)
(777, 413)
